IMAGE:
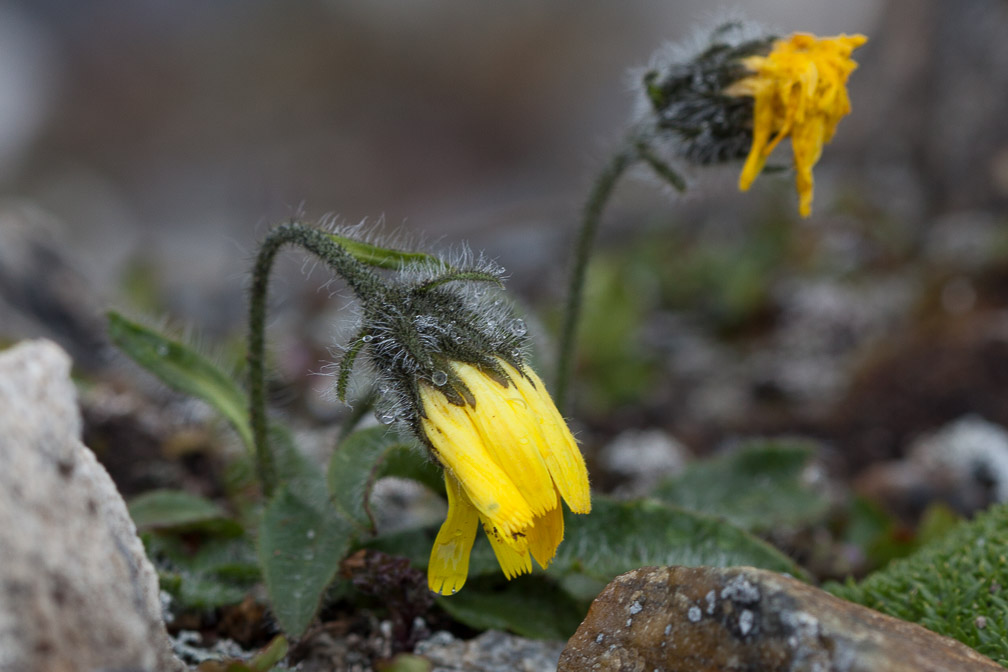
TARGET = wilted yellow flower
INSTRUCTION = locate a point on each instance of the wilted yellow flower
(509, 459)
(799, 90)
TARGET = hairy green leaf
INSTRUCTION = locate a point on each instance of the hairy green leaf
(758, 487)
(183, 369)
(381, 257)
(619, 536)
(367, 455)
(615, 538)
(300, 549)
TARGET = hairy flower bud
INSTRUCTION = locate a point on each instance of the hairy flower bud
(450, 365)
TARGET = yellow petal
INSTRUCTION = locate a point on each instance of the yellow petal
(449, 559)
(510, 436)
(545, 535)
(799, 90)
(460, 449)
(513, 558)
(559, 450)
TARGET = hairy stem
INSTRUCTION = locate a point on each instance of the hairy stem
(601, 191)
(364, 283)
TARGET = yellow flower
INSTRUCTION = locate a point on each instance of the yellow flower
(799, 89)
(509, 458)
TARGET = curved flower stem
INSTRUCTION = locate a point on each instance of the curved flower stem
(597, 200)
(636, 149)
(361, 280)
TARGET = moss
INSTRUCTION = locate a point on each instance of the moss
(956, 586)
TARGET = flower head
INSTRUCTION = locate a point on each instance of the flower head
(799, 89)
(509, 459)
(744, 92)
(450, 368)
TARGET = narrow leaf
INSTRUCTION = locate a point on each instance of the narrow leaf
(183, 369)
(382, 257)
(179, 511)
(300, 550)
(267, 658)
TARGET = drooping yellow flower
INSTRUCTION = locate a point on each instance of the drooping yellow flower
(509, 459)
(799, 90)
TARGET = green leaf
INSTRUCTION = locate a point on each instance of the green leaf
(183, 369)
(615, 538)
(758, 487)
(619, 536)
(948, 585)
(367, 455)
(300, 550)
(407, 461)
(217, 573)
(530, 606)
(267, 658)
(180, 511)
(382, 257)
(301, 474)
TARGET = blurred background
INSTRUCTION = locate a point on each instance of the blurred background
(145, 147)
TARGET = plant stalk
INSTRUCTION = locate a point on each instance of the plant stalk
(600, 193)
(364, 283)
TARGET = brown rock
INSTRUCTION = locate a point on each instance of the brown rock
(684, 619)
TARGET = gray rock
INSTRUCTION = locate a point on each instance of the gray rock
(742, 618)
(76, 590)
(492, 651)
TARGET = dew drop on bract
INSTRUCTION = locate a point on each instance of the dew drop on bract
(518, 327)
(367, 338)
(386, 418)
(439, 378)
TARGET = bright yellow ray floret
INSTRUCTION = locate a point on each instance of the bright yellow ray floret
(800, 90)
(509, 459)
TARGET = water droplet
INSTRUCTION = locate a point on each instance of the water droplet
(386, 418)
(518, 327)
(454, 590)
(310, 534)
(439, 378)
(367, 338)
